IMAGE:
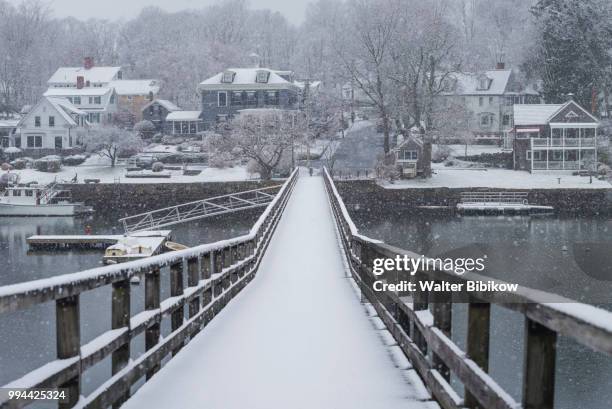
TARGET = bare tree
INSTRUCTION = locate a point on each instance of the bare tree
(365, 55)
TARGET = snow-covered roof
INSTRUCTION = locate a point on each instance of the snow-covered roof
(169, 105)
(469, 83)
(8, 123)
(534, 114)
(65, 108)
(135, 87)
(70, 92)
(183, 116)
(302, 84)
(245, 77)
(68, 75)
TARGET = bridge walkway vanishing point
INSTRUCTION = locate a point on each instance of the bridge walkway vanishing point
(297, 337)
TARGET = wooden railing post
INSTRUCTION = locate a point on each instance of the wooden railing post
(68, 343)
(420, 302)
(442, 310)
(193, 278)
(479, 316)
(205, 265)
(121, 319)
(539, 366)
(176, 288)
(152, 301)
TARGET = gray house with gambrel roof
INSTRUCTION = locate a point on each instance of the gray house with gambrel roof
(235, 89)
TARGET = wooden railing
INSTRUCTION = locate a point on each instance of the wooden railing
(421, 325)
(215, 274)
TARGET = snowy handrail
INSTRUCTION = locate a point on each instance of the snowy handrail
(423, 321)
(215, 274)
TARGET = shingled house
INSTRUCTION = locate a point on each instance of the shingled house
(554, 137)
(235, 89)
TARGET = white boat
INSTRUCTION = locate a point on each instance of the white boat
(36, 200)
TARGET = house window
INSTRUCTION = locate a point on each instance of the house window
(262, 77)
(408, 155)
(58, 142)
(228, 77)
(17, 142)
(480, 101)
(222, 99)
(192, 128)
(37, 121)
(486, 119)
(537, 155)
(272, 98)
(490, 100)
(5, 142)
(51, 121)
(34, 141)
(251, 98)
(112, 99)
(119, 75)
(506, 119)
(77, 100)
(97, 100)
(483, 83)
(90, 100)
(557, 155)
(237, 98)
(70, 141)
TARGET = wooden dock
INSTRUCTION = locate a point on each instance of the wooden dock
(85, 241)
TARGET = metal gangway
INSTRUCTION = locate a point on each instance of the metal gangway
(501, 197)
(200, 209)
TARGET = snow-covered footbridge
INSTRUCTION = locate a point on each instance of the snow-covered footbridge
(307, 332)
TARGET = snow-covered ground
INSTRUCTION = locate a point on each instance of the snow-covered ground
(107, 174)
(497, 178)
(296, 337)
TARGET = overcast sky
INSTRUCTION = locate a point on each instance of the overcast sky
(114, 9)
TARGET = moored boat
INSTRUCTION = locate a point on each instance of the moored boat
(37, 200)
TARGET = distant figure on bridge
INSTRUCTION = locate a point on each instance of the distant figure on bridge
(310, 170)
(88, 230)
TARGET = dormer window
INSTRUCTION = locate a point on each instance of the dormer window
(262, 77)
(228, 77)
(484, 83)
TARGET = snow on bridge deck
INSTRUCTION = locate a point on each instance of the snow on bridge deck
(296, 337)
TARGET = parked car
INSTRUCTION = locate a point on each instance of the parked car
(142, 161)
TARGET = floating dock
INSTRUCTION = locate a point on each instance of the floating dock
(91, 241)
(503, 207)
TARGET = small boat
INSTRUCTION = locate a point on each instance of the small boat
(37, 200)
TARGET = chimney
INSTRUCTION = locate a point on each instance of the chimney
(80, 81)
(500, 66)
(88, 63)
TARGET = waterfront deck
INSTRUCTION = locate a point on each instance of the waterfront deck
(88, 241)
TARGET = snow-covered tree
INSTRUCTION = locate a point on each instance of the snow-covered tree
(111, 142)
(261, 135)
(145, 129)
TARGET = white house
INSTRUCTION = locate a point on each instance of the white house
(99, 103)
(102, 92)
(488, 97)
(52, 124)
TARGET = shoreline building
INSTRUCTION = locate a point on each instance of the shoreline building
(554, 137)
(488, 97)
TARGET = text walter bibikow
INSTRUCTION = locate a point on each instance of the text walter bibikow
(412, 265)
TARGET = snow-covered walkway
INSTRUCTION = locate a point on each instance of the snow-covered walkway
(296, 337)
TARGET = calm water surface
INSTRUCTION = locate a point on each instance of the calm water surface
(568, 256)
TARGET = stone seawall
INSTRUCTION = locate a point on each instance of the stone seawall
(367, 195)
(130, 198)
